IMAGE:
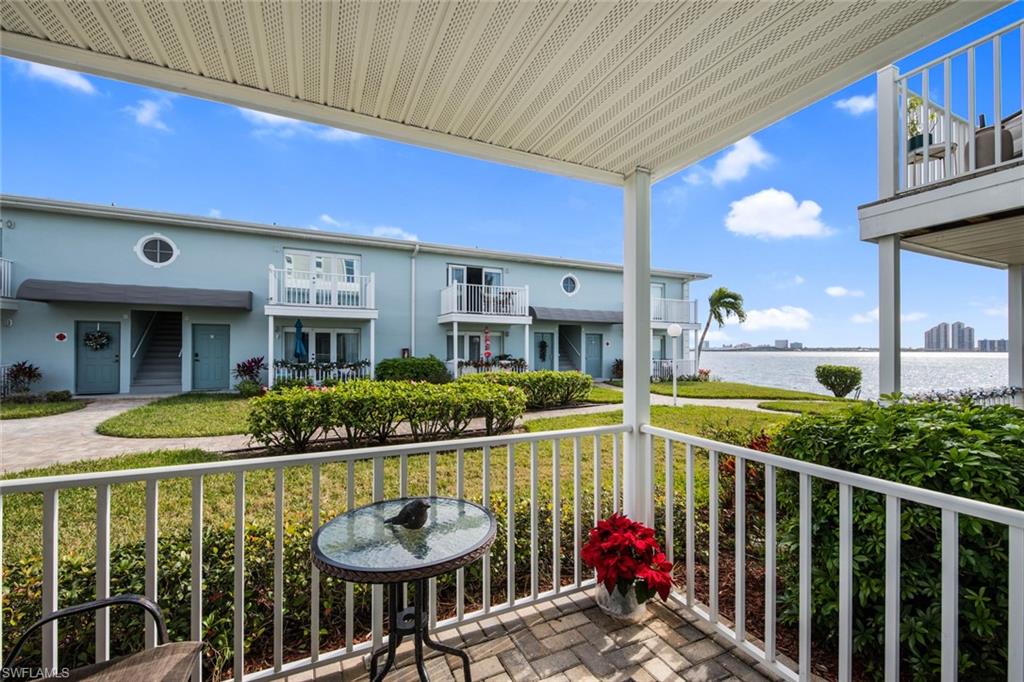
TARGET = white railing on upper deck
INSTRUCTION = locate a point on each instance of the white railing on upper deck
(930, 139)
(485, 299)
(576, 458)
(6, 278)
(319, 290)
(673, 310)
(664, 443)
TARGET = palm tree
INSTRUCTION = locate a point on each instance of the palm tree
(722, 303)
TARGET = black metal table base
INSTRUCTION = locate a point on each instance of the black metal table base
(411, 621)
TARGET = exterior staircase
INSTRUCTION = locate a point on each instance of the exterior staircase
(564, 362)
(160, 368)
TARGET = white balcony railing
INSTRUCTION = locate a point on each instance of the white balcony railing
(661, 370)
(485, 299)
(678, 310)
(592, 467)
(6, 278)
(940, 137)
(319, 290)
(315, 374)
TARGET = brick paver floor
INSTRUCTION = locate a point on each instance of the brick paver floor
(571, 640)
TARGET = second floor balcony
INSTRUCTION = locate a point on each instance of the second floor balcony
(484, 302)
(666, 311)
(324, 294)
(6, 278)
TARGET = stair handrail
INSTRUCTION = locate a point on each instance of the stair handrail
(145, 333)
(570, 344)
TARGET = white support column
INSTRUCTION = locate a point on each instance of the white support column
(455, 349)
(270, 351)
(636, 345)
(583, 348)
(526, 345)
(1015, 303)
(888, 126)
(373, 349)
(889, 314)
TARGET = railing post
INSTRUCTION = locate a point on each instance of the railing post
(271, 371)
(637, 475)
(888, 127)
(889, 314)
(271, 285)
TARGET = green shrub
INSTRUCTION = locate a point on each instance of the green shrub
(58, 396)
(284, 384)
(20, 376)
(499, 406)
(839, 379)
(289, 418)
(413, 369)
(543, 389)
(961, 449)
(248, 388)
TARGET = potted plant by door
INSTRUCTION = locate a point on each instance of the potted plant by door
(915, 134)
(631, 568)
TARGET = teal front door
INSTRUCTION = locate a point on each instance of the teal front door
(595, 357)
(97, 357)
(210, 357)
(543, 350)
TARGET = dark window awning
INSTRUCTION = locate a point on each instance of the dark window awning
(576, 315)
(51, 291)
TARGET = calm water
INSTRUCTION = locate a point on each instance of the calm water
(921, 371)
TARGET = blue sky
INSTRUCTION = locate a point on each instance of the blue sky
(773, 217)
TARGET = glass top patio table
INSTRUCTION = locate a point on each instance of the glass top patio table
(358, 546)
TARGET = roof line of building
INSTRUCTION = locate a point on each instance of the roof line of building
(220, 224)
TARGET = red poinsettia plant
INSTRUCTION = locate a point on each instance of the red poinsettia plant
(625, 554)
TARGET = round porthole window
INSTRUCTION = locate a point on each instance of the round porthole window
(156, 250)
(570, 285)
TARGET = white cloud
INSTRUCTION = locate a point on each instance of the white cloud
(717, 335)
(857, 104)
(147, 113)
(327, 219)
(774, 214)
(62, 77)
(391, 232)
(872, 316)
(839, 292)
(694, 177)
(737, 162)
(272, 125)
(783, 317)
(215, 213)
(996, 311)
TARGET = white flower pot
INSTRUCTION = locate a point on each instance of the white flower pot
(620, 606)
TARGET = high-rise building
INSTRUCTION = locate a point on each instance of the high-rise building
(961, 337)
(781, 344)
(796, 345)
(993, 345)
(937, 338)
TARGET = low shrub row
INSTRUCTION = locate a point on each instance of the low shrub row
(361, 411)
(413, 369)
(543, 389)
(48, 397)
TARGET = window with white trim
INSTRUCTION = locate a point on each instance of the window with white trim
(570, 285)
(156, 250)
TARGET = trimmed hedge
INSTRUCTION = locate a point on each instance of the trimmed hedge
(413, 369)
(544, 389)
(961, 449)
(364, 411)
(840, 379)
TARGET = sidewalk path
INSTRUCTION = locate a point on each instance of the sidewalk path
(69, 437)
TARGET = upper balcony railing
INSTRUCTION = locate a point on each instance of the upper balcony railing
(485, 299)
(966, 123)
(319, 290)
(673, 310)
(6, 278)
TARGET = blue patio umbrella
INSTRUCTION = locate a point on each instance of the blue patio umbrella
(301, 354)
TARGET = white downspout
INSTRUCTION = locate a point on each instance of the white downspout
(412, 300)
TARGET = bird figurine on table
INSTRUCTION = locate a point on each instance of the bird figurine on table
(412, 516)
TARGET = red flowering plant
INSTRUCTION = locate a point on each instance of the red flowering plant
(625, 553)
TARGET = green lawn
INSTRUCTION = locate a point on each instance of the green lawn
(805, 406)
(181, 416)
(23, 513)
(603, 394)
(27, 410)
(731, 389)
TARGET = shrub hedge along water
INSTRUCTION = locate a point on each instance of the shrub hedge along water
(545, 388)
(365, 411)
(961, 449)
(839, 379)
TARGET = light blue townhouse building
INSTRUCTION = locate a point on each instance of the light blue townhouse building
(109, 300)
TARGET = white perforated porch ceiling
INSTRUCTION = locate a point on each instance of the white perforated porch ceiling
(587, 89)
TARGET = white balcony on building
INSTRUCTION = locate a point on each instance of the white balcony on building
(295, 292)
(666, 311)
(485, 304)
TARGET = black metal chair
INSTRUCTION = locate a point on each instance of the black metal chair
(169, 661)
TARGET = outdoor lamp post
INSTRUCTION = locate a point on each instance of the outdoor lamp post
(674, 330)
